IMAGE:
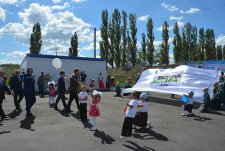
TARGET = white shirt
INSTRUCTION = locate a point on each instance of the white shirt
(130, 112)
(83, 95)
(145, 106)
(190, 100)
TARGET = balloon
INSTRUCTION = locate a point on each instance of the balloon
(57, 63)
(184, 99)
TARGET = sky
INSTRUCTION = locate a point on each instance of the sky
(59, 19)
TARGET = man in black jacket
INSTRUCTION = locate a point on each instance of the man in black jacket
(61, 90)
(16, 87)
(74, 88)
(3, 89)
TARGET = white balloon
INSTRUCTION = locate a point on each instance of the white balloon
(57, 63)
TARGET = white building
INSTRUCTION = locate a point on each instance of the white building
(43, 63)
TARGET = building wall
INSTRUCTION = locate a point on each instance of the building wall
(91, 68)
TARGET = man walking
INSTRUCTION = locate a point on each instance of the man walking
(74, 89)
(3, 89)
(61, 90)
(16, 87)
(41, 83)
(29, 90)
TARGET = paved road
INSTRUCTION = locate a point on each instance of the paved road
(58, 131)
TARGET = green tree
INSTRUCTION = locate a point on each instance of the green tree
(223, 52)
(193, 45)
(111, 39)
(124, 38)
(73, 50)
(104, 43)
(187, 28)
(176, 44)
(133, 32)
(219, 52)
(164, 51)
(143, 49)
(184, 52)
(35, 39)
(150, 42)
(116, 21)
(201, 45)
(210, 45)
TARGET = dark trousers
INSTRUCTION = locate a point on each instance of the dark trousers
(83, 111)
(16, 100)
(2, 113)
(30, 100)
(127, 126)
(73, 96)
(41, 89)
(62, 97)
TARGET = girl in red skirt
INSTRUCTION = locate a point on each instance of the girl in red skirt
(94, 110)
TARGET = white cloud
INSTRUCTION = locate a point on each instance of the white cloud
(56, 1)
(2, 14)
(12, 2)
(60, 7)
(160, 28)
(78, 1)
(57, 28)
(17, 54)
(180, 24)
(171, 59)
(220, 40)
(176, 17)
(143, 18)
(171, 8)
(190, 11)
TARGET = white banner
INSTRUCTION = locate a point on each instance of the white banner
(177, 81)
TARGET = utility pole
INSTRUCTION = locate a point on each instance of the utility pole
(94, 42)
(56, 49)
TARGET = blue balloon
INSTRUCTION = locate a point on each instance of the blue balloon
(184, 99)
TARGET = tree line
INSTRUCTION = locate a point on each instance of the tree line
(119, 42)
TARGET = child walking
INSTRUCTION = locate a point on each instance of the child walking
(94, 110)
(52, 94)
(83, 97)
(141, 117)
(130, 115)
(188, 106)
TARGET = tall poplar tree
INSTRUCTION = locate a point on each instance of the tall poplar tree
(104, 43)
(223, 52)
(133, 32)
(143, 49)
(35, 39)
(164, 51)
(210, 45)
(124, 38)
(73, 50)
(177, 54)
(150, 42)
(219, 52)
(193, 45)
(116, 21)
(201, 45)
(111, 39)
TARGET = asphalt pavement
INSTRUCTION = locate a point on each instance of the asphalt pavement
(52, 130)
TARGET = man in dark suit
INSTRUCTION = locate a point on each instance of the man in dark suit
(16, 87)
(61, 90)
(29, 90)
(3, 89)
(74, 88)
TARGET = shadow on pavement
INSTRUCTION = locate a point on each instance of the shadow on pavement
(135, 147)
(27, 122)
(106, 139)
(148, 134)
(3, 132)
(216, 112)
(64, 113)
(14, 113)
(200, 118)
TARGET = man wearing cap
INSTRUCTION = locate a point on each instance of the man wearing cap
(16, 87)
(3, 89)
